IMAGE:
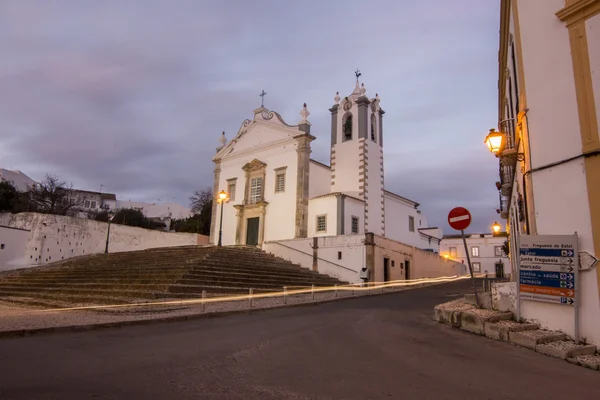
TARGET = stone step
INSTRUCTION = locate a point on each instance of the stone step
(80, 299)
(202, 271)
(565, 349)
(249, 280)
(146, 275)
(149, 286)
(107, 281)
(591, 361)
(531, 338)
(500, 330)
(115, 292)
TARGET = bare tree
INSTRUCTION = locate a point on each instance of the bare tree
(54, 196)
(200, 199)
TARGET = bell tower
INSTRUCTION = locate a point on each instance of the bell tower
(357, 153)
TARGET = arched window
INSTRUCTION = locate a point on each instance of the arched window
(373, 128)
(347, 126)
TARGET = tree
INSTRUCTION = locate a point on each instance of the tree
(133, 217)
(506, 248)
(102, 216)
(200, 199)
(201, 203)
(54, 196)
(8, 196)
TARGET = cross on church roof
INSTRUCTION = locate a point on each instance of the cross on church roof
(357, 73)
(262, 98)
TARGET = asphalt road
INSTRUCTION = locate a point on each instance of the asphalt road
(378, 347)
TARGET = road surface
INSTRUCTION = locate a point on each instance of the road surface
(378, 347)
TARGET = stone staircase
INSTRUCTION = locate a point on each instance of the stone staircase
(154, 275)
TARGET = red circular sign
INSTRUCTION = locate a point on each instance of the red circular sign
(459, 218)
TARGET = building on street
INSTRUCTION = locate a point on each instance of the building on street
(548, 118)
(279, 198)
(485, 251)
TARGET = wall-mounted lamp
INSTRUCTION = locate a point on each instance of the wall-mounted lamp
(496, 143)
(496, 227)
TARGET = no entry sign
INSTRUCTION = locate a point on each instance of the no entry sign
(459, 218)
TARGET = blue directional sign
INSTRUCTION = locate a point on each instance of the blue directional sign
(548, 283)
(563, 276)
(547, 252)
(548, 268)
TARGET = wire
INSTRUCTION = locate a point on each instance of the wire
(556, 163)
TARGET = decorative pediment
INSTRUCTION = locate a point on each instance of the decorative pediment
(254, 165)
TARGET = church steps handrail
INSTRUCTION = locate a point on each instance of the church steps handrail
(308, 254)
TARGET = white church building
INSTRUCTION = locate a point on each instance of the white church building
(281, 200)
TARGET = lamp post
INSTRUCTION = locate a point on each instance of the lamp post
(108, 235)
(222, 198)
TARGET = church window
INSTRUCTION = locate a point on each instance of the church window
(321, 223)
(231, 190)
(452, 251)
(93, 204)
(354, 224)
(373, 124)
(256, 190)
(87, 204)
(347, 126)
(279, 181)
(411, 224)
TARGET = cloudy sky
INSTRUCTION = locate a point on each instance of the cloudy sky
(133, 95)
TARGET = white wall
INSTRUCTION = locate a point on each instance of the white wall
(421, 264)
(322, 206)
(320, 179)
(13, 243)
(397, 212)
(554, 135)
(281, 210)
(346, 269)
(487, 252)
(552, 116)
(54, 238)
(374, 184)
(356, 208)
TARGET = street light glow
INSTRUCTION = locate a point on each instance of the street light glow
(495, 142)
(222, 195)
(496, 227)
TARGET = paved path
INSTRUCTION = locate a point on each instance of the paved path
(377, 347)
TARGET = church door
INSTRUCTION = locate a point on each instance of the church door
(252, 231)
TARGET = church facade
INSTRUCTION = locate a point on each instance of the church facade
(276, 192)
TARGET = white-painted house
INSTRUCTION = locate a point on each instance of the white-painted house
(277, 193)
(485, 252)
(549, 111)
(21, 181)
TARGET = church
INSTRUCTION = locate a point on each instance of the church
(277, 194)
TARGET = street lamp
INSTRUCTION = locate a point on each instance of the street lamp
(108, 235)
(222, 198)
(496, 143)
(496, 227)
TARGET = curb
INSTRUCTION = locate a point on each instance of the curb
(179, 318)
(551, 343)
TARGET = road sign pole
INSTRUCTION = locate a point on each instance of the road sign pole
(462, 232)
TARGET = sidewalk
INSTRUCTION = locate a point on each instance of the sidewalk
(21, 320)
(502, 326)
